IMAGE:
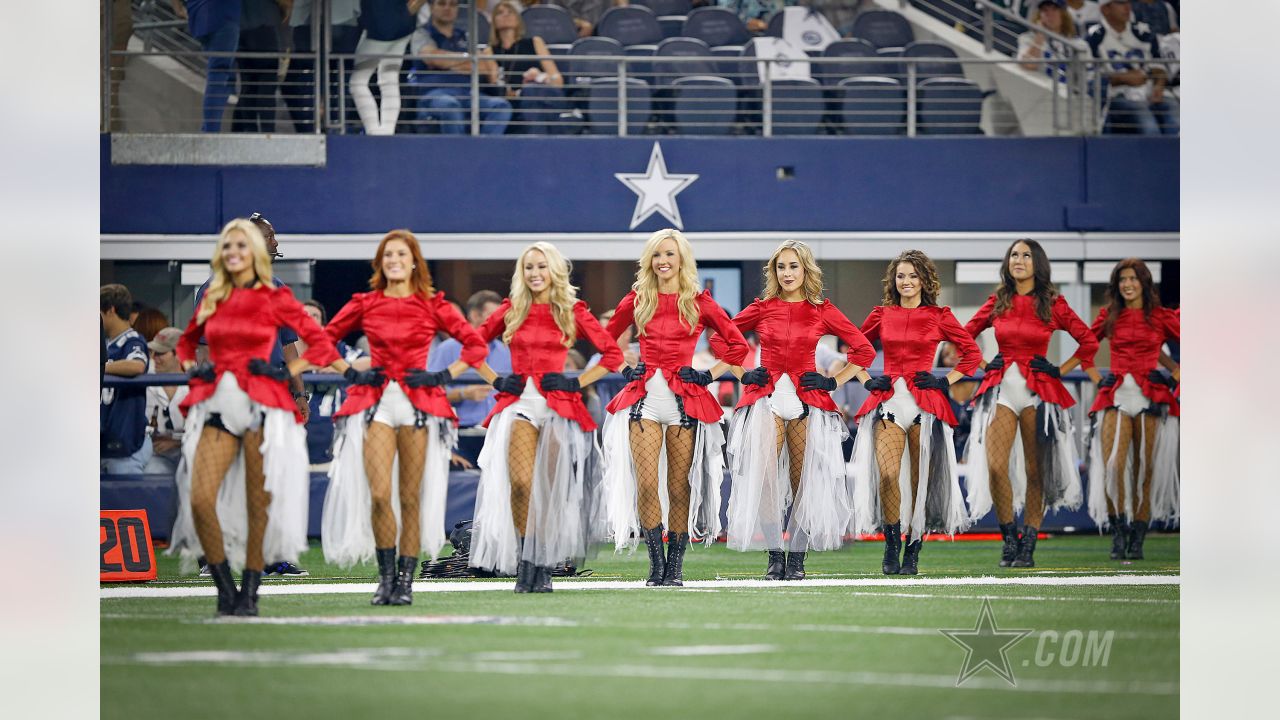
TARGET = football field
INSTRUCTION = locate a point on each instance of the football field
(1079, 636)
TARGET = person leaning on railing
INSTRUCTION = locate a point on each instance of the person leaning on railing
(444, 83)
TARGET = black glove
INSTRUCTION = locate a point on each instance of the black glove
(258, 366)
(759, 376)
(878, 383)
(422, 378)
(634, 373)
(552, 382)
(817, 381)
(372, 377)
(202, 370)
(996, 363)
(697, 377)
(928, 381)
(1108, 380)
(1041, 364)
(509, 384)
(1160, 378)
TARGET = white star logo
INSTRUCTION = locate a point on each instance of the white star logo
(656, 190)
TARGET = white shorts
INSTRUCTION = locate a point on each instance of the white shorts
(784, 401)
(394, 408)
(659, 404)
(1014, 393)
(237, 412)
(1129, 398)
(532, 406)
(901, 408)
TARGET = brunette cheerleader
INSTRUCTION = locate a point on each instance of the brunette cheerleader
(1135, 408)
(539, 502)
(395, 413)
(667, 404)
(797, 497)
(1021, 394)
(905, 478)
(243, 480)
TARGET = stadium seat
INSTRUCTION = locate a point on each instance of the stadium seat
(833, 73)
(482, 24)
(704, 105)
(665, 73)
(948, 106)
(666, 7)
(798, 107)
(602, 106)
(947, 64)
(964, 13)
(774, 28)
(579, 70)
(552, 23)
(716, 26)
(883, 28)
(868, 105)
(672, 25)
(630, 25)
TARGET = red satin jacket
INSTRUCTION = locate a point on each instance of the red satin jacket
(243, 328)
(667, 345)
(537, 349)
(789, 332)
(910, 338)
(1135, 349)
(1021, 334)
(400, 331)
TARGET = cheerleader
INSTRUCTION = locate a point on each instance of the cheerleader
(244, 449)
(1134, 399)
(396, 413)
(786, 401)
(905, 478)
(539, 499)
(668, 407)
(1021, 394)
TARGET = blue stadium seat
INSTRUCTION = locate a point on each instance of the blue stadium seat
(666, 7)
(672, 25)
(798, 107)
(883, 28)
(579, 70)
(948, 106)
(482, 24)
(552, 23)
(602, 106)
(869, 105)
(774, 28)
(704, 105)
(630, 25)
(665, 73)
(947, 64)
(715, 26)
(833, 73)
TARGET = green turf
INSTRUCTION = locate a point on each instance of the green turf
(818, 652)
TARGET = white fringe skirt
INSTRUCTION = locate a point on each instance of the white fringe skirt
(346, 527)
(1104, 480)
(761, 493)
(566, 509)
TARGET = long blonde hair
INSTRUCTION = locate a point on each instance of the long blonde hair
(811, 288)
(221, 285)
(646, 284)
(563, 294)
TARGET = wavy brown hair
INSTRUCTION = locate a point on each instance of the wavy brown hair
(1115, 303)
(419, 276)
(1045, 292)
(930, 287)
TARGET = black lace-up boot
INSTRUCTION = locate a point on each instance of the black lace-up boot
(403, 593)
(1008, 551)
(657, 564)
(910, 556)
(1137, 535)
(1027, 547)
(777, 559)
(247, 600)
(892, 548)
(795, 566)
(673, 573)
(226, 584)
(1119, 536)
(386, 576)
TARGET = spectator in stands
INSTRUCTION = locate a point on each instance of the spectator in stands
(216, 25)
(444, 83)
(1157, 14)
(1084, 13)
(533, 87)
(148, 321)
(260, 22)
(1139, 102)
(301, 81)
(124, 445)
(755, 14)
(1051, 15)
(388, 24)
(164, 421)
(473, 402)
(586, 13)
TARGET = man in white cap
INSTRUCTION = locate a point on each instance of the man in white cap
(164, 422)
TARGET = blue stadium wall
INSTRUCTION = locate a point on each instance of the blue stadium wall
(497, 185)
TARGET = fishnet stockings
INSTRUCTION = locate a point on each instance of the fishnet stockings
(215, 453)
(679, 460)
(520, 458)
(1000, 434)
(412, 443)
(1148, 449)
(1033, 509)
(258, 498)
(379, 454)
(1113, 422)
(797, 434)
(646, 445)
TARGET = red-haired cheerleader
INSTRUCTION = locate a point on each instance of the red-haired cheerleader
(667, 404)
(1021, 394)
(789, 502)
(395, 411)
(1133, 454)
(539, 502)
(905, 477)
(243, 483)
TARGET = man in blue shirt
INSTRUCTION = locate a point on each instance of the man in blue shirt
(444, 84)
(125, 447)
(473, 402)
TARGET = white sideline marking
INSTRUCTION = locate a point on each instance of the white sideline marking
(359, 620)
(433, 586)
(701, 650)
(926, 596)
